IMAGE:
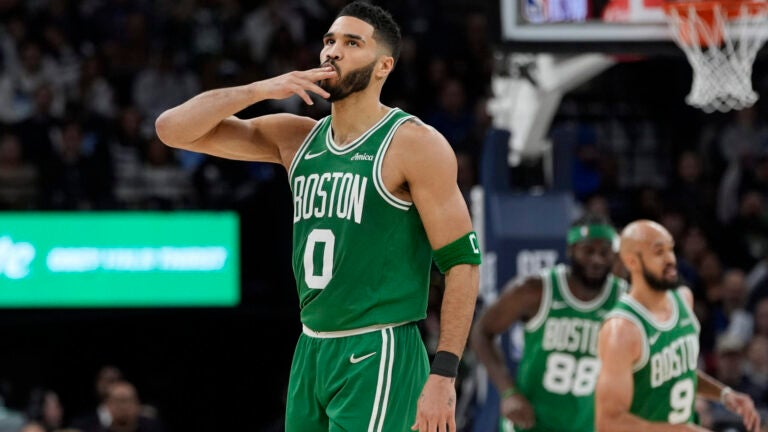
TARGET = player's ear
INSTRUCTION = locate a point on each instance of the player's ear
(630, 261)
(384, 66)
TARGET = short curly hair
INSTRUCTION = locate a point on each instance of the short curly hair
(385, 29)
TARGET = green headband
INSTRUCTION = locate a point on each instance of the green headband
(590, 232)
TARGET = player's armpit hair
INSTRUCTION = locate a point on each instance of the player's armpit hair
(463, 250)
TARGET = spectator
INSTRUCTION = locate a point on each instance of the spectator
(77, 177)
(45, 408)
(756, 367)
(746, 236)
(36, 132)
(125, 408)
(730, 358)
(452, 116)
(127, 147)
(164, 83)
(122, 409)
(18, 178)
(11, 420)
(692, 191)
(93, 91)
(260, 25)
(99, 418)
(166, 184)
(730, 315)
(760, 317)
(741, 137)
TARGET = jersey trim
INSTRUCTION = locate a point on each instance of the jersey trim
(344, 333)
(534, 323)
(648, 316)
(357, 142)
(573, 301)
(384, 383)
(303, 147)
(378, 182)
(646, 350)
(691, 314)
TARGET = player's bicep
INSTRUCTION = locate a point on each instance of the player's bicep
(431, 173)
(618, 348)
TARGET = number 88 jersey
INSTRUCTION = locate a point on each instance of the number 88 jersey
(558, 369)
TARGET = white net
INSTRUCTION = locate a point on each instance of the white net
(721, 44)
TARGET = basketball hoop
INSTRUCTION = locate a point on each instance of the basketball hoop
(720, 38)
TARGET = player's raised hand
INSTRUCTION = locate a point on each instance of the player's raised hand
(296, 82)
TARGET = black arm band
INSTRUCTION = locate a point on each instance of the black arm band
(445, 364)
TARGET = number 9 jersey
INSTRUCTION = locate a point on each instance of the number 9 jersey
(665, 376)
(360, 254)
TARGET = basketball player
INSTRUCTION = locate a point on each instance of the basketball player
(561, 310)
(649, 346)
(375, 197)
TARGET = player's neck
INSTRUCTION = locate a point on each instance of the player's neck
(354, 115)
(653, 300)
(581, 290)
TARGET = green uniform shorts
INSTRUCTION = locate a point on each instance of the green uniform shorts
(356, 383)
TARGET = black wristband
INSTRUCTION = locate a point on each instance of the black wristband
(445, 364)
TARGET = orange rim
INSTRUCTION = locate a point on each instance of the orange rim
(706, 13)
(732, 8)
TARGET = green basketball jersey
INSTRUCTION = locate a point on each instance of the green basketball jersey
(665, 379)
(360, 254)
(558, 369)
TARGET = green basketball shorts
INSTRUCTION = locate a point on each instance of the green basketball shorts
(359, 380)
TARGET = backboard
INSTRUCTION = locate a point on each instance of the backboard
(550, 47)
(575, 26)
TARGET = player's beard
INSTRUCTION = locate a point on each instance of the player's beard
(594, 284)
(355, 81)
(658, 283)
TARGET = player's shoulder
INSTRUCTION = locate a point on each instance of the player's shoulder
(422, 152)
(620, 325)
(686, 294)
(529, 287)
(417, 134)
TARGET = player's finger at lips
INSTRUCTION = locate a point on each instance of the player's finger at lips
(322, 69)
(325, 72)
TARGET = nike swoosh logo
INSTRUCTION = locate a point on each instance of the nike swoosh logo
(313, 155)
(652, 340)
(353, 359)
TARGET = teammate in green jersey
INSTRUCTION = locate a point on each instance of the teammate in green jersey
(649, 347)
(561, 309)
(375, 200)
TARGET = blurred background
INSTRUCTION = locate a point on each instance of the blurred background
(121, 258)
